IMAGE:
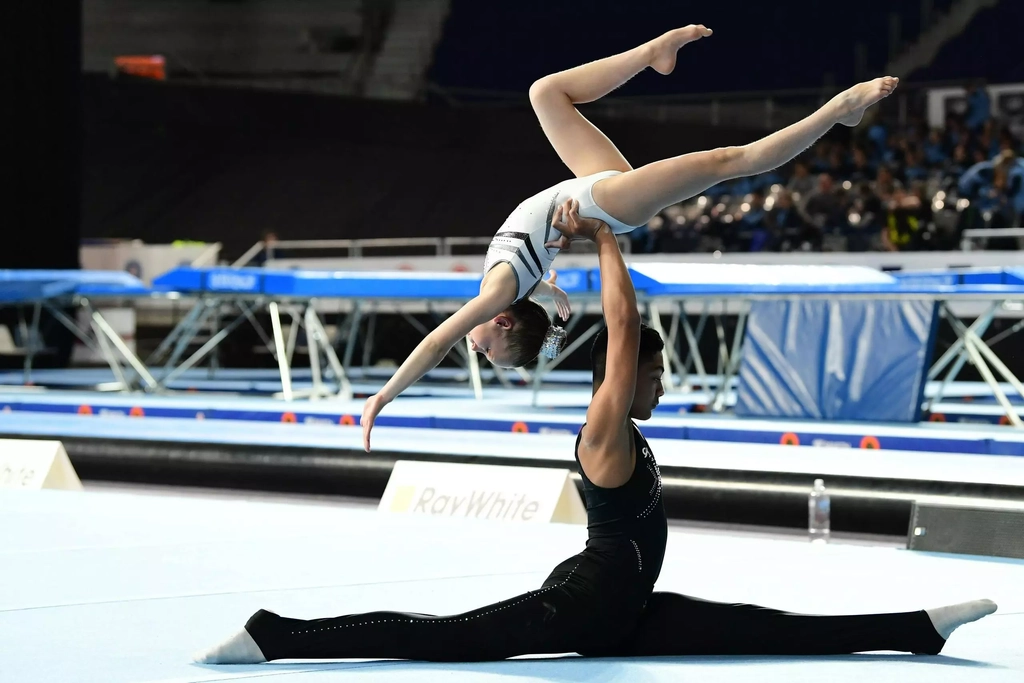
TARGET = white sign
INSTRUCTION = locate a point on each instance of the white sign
(27, 464)
(1006, 101)
(491, 492)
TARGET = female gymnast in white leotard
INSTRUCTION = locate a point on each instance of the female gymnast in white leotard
(503, 322)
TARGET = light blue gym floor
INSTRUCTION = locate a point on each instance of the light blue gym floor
(108, 586)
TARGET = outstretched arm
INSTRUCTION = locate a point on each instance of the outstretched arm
(605, 445)
(495, 296)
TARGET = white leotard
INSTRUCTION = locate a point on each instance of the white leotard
(520, 240)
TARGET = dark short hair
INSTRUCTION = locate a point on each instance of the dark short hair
(527, 335)
(651, 344)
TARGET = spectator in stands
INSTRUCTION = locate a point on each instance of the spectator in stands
(1000, 195)
(988, 139)
(269, 251)
(786, 225)
(885, 183)
(978, 106)
(861, 169)
(907, 219)
(893, 154)
(821, 162)
(1007, 143)
(824, 209)
(976, 179)
(960, 162)
(935, 153)
(754, 234)
(866, 216)
(878, 137)
(956, 131)
(802, 183)
(915, 168)
(837, 165)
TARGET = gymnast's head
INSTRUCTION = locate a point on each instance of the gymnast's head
(518, 335)
(649, 370)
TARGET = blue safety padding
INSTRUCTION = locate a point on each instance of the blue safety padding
(641, 283)
(372, 285)
(916, 278)
(220, 280)
(574, 280)
(655, 279)
(34, 291)
(41, 285)
(184, 280)
(76, 276)
(1010, 277)
(1013, 276)
(326, 284)
(982, 276)
(836, 360)
(234, 280)
(111, 290)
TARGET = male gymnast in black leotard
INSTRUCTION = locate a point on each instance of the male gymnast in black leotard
(601, 602)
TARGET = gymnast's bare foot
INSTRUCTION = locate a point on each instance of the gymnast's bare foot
(854, 101)
(664, 48)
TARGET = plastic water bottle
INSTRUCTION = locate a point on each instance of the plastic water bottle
(819, 508)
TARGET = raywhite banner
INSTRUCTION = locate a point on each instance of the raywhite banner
(31, 465)
(491, 492)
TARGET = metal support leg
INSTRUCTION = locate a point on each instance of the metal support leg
(185, 323)
(293, 335)
(723, 346)
(71, 325)
(108, 354)
(317, 334)
(691, 341)
(474, 372)
(673, 342)
(718, 402)
(667, 352)
(355, 317)
(203, 350)
(214, 366)
(979, 362)
(268, 343)
(979, 327)
(123, 349)
(32, 343)
(282, 360)
(95, 345)
(503, 379)
(187, 335)
(371, 329)
(312, 344)
(694, 352)
(344, 386)
(979, 354)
